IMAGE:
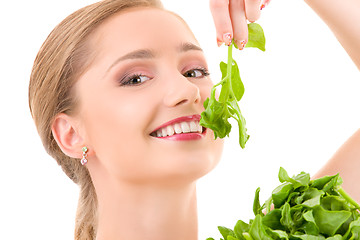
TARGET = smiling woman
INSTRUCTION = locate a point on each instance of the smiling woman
(120, 85)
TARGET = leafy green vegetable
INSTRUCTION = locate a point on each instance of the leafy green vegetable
(257, 37)
(217, 112)
(303, 209)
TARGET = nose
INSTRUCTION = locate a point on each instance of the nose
(181, 90)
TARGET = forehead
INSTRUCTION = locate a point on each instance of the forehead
(143, 28)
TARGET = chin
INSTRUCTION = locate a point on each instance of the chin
(172, 166)
(191, 168)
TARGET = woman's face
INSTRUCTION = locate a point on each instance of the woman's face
(149, 79)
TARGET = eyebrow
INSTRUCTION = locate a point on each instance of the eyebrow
(148, 53)
(137, 54)
(184, 47)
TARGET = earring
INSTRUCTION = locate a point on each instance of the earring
(84, 153)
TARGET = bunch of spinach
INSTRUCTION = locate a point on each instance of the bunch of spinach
(303, 209)
(217, 112)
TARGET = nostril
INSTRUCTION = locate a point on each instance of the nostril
(181, 102)
(186, 93)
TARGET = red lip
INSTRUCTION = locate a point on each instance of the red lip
(183, 136)
(195, 117)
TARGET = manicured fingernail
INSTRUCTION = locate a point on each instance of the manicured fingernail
(241, 44)
(262, 6)
(227, 39)
(219, 42)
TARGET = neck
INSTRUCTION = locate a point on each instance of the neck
(146, 212)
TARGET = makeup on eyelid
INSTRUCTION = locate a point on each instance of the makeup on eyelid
(199, 72)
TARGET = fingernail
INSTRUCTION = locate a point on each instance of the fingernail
(227, 39)
(262, 6)
(241, 44)
(219, 42)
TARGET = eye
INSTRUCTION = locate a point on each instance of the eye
(135, 79)
(196, 73)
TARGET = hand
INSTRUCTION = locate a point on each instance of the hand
(231, 16)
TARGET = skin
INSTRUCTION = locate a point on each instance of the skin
(342, 17)
(346, 162)
(346, 159)
(145, 186)
(230, 18)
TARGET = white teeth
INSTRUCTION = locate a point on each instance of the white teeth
(199, 128)
(170, 130)
(185, 127)
(164, 132)
(193, 127)
(177, 128)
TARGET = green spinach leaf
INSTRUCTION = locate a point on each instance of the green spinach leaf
(303, 209)
(218, 111)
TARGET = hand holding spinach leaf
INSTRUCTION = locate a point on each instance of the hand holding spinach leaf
(217, 112)
(304, 209)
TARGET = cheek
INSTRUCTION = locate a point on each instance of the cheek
(205, 89)
(115, 126)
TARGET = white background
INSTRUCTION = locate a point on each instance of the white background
(301, 103)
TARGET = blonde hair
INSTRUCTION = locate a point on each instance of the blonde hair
(63, 57)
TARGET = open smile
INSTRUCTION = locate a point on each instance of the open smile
(183, 128)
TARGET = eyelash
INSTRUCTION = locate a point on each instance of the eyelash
(127, 80)
(203, 70)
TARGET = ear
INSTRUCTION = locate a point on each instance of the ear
(65, 132)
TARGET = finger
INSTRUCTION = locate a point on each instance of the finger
(264, 4)
(220, 12)
(239, 23)
(252, 9)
